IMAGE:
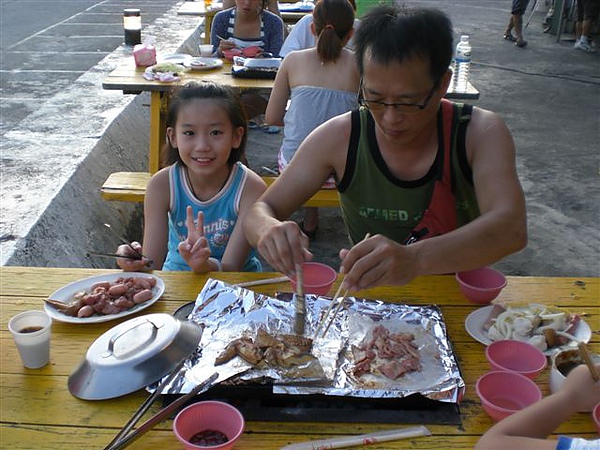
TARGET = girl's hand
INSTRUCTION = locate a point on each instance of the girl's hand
(194, 250)
(132, 265)
(226, 45)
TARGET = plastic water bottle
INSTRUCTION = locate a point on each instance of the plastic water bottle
(462, 64)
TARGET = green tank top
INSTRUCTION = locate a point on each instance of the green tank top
(374, 201)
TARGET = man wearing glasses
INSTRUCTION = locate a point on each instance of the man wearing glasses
(426, 186)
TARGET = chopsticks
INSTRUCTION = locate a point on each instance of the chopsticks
(111, 255)
(338, 305)
(327, 313)
(147, 403)
(128, 243)
(162, 414)
(587, 357)
(265, 281)
(361, 439)
(299, 317)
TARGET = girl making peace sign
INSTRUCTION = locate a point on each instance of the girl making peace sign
(206, 181)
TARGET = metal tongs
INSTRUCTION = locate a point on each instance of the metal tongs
(124, 438)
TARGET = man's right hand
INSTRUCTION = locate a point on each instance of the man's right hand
(283, 246)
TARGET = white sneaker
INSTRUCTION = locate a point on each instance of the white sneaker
(585, 45)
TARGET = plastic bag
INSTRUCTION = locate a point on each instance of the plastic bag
(144, 54)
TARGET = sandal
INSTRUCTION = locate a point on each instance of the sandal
(271, 129)
(522, 43)
(509, 37)
(312, 234)
(253, 125)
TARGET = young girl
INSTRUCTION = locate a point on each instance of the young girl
(320, 82)
(206, 181)
(248, 24)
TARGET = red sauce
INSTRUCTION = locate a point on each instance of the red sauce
(32, 329)
(566, 367)
(209, 438)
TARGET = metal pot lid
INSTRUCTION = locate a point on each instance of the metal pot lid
(133, 355)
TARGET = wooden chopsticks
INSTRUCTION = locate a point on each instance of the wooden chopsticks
(338, 306)
(587, 357)
(265, 281)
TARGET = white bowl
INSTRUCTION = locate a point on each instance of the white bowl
(563, 362)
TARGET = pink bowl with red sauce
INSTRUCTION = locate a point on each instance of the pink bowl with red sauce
(318, 278)
(208, 425)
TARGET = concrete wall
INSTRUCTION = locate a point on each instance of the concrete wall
(65, 151)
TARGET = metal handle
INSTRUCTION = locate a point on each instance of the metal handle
(114, 339)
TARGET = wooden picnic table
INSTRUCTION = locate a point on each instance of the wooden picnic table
(128, 78)
(197, 8)
(39, 412)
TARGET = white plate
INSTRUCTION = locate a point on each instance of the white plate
(65, 294)
(210, 63)
(475, 321)
(176, 58)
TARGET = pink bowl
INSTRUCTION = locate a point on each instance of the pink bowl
(505, 393)
(318, 278)
(481, 285)
(516, 356)
(208, 415)
(596, 416)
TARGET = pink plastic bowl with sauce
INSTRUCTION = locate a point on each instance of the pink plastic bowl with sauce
(318, 278)
(209, 420)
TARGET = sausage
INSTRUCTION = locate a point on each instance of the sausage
(105, 285)
(142, 283)
(143, 296)
(117, 290)
(85, 311)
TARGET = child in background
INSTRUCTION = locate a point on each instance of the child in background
(248, 25)
(320, 82)
(193, 207)
(530, 427)
(302, 37)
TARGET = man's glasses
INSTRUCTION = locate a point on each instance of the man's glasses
(406, 108)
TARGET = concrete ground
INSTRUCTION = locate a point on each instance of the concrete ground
(548, 94)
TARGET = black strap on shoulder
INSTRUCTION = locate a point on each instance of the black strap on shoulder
(461, 139)
(352, 151)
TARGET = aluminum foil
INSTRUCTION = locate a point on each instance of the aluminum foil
(228, 312)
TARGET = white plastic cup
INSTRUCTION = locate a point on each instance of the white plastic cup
(206, 50)
(31, 332)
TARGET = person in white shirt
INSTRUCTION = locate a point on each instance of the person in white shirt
(301, 37)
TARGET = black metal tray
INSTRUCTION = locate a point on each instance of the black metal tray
(257, 402)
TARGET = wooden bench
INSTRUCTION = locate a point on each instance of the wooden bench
(131, 187)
